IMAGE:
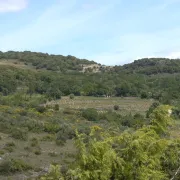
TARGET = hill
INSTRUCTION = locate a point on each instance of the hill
(56, 75)
(151, 66)
(45, 61)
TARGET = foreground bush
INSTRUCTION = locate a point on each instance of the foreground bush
(147, 153)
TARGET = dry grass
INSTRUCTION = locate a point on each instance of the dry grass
(126, 105)
(41, 161)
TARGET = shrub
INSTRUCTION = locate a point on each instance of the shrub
(56, 107)
(90, 114)
(23, 113)
(60, 142)
(27, 148)
(10, 144)
(144, 95)
(51, 128)
(41, 109)
(37, 152)
(13, 165)
(71, 96)
(19, 134)
(34, 142)
(54, 173)
(9, 147)
(116, 107)
(65, 133)
(2, 152)
(48, 138)
(151, 109)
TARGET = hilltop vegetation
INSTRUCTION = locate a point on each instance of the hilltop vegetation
(45, 61)
(88, 121)
(146, 78)
(151, 66)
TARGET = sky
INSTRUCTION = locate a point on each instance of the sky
(110, 32)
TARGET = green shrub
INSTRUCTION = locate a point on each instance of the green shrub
(41, 109)
(90, 114)
(13, 165)
(9, 147)
(19, 134)
(116, 107)
(27, 148)
(144, 95)
(151, 109)
(60, 142)
(48, 138)
(51, 127)
(10, 144)
(37, 152)
(23, 113)
(56, 107)
(65, 132)
(54, 173)
(34, 142)
(71, 96)
(2, 152)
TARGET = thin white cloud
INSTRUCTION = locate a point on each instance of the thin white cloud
(59, 23)
(12, 5)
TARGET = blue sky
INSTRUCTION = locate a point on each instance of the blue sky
(107, 31)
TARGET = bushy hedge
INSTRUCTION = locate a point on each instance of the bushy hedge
(90, 114)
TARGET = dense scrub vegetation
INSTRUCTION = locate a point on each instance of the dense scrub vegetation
(151, 66)
(119, 81)
(45, 61)
(146, 153)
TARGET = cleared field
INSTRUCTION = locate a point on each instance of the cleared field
(126, 105)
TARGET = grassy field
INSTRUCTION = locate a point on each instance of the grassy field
(26, 151)
(126, 105)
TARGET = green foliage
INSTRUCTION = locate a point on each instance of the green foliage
(141, 154)
(13, 165)
(53, 174)
(41, 109)
(19, 134)
(138, 155)
(65, 132)
(54, 93)
(144, 95)
(90, 114)
(71, 96)
(51, 127)
(161, 120)
(56, 107)
(34, 142)
(37, 152)
(116, 107)
(151, 109)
